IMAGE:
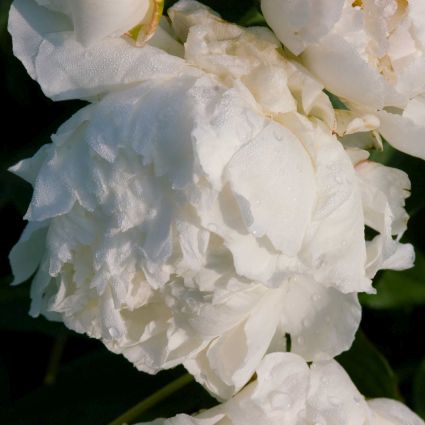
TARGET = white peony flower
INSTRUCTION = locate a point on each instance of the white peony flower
(371, 53)
(199, 217)
(288, 391)
(94, 20)
(47, 37)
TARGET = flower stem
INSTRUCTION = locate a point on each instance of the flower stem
(146, 404)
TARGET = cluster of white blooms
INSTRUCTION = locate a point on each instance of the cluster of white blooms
(288, 391)
(371, 53)
(202, 210)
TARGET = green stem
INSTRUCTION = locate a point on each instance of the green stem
(152, 400)
(55, 359)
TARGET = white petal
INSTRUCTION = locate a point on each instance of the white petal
(392, 412)
(384, 190)
(226, 121)
(224, 370)
(66, 70)
(277, 396)
(322, 321)
(350, 122)
(334, 241)
(188, 420)
(417, 15)
(54, 192)
(333, 399)
(272, 179)
(301, 23)
(403, 133)
(95, 19)
(28, 169)
(25, 256)
(385, 253)
(343, 72)
(165, 39)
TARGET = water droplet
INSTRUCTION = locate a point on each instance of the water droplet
(151, 213)
(334, 400)
(320, 263)
(212, 227)
(302, 414)
(114, 333)
(191, 302)
(281, 400)
(278, 136)
(316, 297)
(300, 340)
(306, 322)
(357, 399)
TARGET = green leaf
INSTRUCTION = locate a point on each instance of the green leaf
(369, 369)
(386, 156)
(337, 103)
(419, 390)
(399, 289)
(253, 17)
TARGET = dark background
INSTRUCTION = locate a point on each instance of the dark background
(49, 375)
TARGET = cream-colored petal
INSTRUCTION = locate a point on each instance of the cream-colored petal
(276, 194)
(65, 69)
(301, 23)
(403, 133)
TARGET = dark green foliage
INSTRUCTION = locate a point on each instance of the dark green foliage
(369, 369)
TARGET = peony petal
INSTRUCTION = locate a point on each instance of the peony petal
(301, 23)
(336, 262)
(392, 412)
(385, 253)
(28, 169)
(403, 133)
(333, 399)
(417, 14)
(65, 69)
(206, 419)
(384, 190)
(26, 255)
(321, 321)
(277, 396)
(275, 195)
(352, 78)
(96, 19)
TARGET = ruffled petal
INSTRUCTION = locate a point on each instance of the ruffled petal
(26, 255)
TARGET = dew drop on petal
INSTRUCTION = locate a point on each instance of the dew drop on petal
(114, 333)
(212, 227)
